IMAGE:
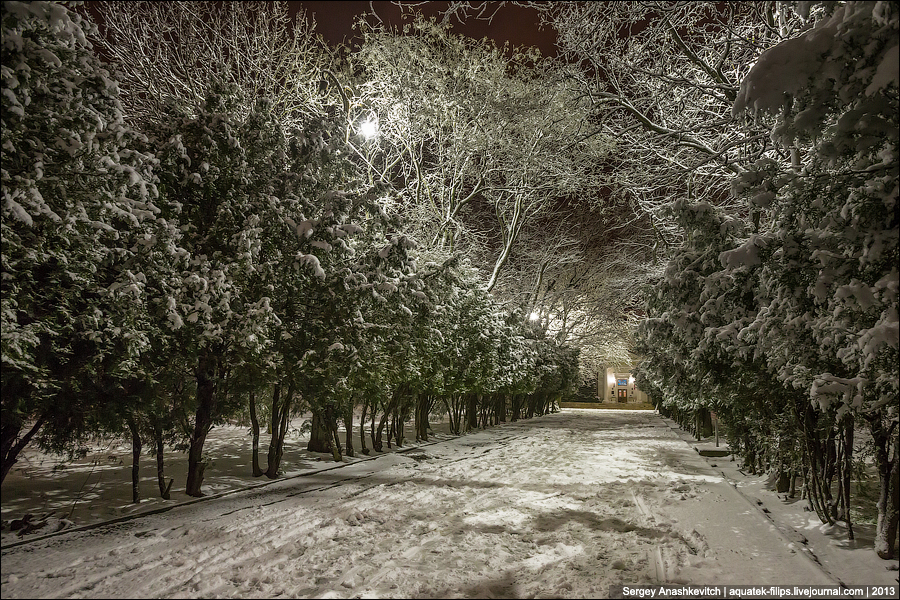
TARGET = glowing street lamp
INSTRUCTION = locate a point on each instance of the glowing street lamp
(534, 316)
(368, 128)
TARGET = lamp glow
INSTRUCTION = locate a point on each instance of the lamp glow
(534, 316)
(368, 129)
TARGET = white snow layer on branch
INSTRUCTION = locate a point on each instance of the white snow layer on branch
(784, 70)
(310, 260)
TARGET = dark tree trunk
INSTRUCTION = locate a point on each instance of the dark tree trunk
(274, 427)
(455, 404)
(831, 466)
(421, 406)
(888, 466)
(749, 454)
(889, 516)
(160, 464)
(376, 442)
(846, 472)
(398, 428)
(471, 412)
(516, 407)
(375, 447)
(530, 401)
(321, 438)
(336, 450)
(792, 492)
(783, 480)
(454, 427)
(136, 445)
(281, 410)
(704, 423)
(391, 421)
(819, 494)
(348, 426)
(254, 431)
(11, 448)
(362, 429)
(207, 371)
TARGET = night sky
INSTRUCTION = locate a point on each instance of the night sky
(517, 25)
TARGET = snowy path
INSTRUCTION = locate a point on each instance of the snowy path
(559, 506)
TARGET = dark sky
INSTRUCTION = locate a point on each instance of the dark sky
(517, 25)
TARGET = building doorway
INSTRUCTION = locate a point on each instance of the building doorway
(623, 395)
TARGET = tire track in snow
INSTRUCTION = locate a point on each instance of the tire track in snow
(654, 557)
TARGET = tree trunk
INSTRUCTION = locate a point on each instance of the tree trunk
(889, 486)
(376, 442)
(321, 438)
(891, 520)
(160, 464)
(336, 450)
(348, 426)
(136, 446)
(783, 480)
(831, 468)
(704, 423)
(362, 429)
(377, 448)
(281, 410)
(819, 494)
(471, 412)
(274, 424)
(516, 407)
(454, 428)
(254, 431)
(530, 402)
(398, 428)
(391, 422)
(423, 407)
(11, 448)
(207, 371)
(846, 472)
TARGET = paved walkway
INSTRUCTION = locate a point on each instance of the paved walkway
(564, 505)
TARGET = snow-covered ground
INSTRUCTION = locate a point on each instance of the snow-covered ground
(558, 506)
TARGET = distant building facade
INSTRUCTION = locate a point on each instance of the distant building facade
(616, 386)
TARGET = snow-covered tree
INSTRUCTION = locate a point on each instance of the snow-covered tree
(830, 285)
(80, 231)
(177, 52)
(480, 139)
(588, 291)
(666, 90)
(226, 180)
(797, 291)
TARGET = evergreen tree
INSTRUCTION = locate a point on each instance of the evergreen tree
(80, 230)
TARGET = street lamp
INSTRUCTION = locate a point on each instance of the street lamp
(368, 128)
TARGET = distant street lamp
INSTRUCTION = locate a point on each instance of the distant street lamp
(534, 316)
(368, 128)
